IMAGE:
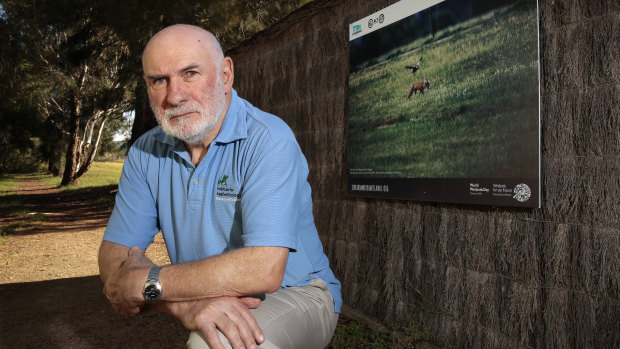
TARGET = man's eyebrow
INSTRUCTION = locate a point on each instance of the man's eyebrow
(155, 77)
(190, 67)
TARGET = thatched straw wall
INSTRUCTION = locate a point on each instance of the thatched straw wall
(477, 276)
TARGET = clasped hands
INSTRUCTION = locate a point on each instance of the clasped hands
(230, 315)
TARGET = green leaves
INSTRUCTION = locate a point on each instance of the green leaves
(72, 65)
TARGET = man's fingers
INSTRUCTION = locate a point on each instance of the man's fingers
(250, 302)
(212, 337)
(131, 311)
(135, 252)
(255, 331)
(137, 258)
(234, 327)
(233, 320)
(246, 325)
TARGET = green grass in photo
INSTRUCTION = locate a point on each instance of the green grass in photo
(478, 119)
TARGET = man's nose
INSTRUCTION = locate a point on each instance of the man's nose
(176, 92)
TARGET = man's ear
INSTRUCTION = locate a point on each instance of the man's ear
(228, 73)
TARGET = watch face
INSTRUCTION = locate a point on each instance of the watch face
(152, 293)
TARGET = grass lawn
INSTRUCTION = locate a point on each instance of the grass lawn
(101, 174)
(7, 184)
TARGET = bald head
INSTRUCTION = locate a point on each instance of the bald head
(184, 36)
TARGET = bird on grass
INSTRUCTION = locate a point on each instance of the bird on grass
(415, 67)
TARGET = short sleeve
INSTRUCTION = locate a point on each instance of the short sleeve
(134, 219)
(272, 196)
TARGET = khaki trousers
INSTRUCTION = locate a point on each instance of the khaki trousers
(291, 318)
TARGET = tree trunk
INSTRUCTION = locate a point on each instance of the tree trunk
(93, 150)
(85, 143)
(144, 119)
(68, 177)
(52, 168)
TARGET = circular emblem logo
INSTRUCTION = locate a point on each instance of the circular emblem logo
(381, 18)
(370, 23)
(522, 192)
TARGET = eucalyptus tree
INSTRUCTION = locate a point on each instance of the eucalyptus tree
(18, 117)
(76, 73)
(73, 64)
(231, 21)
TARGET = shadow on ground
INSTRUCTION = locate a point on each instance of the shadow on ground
(72, 210)
(73, 313)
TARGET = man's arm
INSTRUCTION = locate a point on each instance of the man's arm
(241, 272)
(228, 314)
(198, 292)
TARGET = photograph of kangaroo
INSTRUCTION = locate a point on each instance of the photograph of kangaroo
(451, 91)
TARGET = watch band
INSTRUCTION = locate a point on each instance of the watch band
(153, 275)
(152, 288)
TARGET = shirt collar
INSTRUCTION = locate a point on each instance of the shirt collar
(233, 128)
(234, 125)
(161, 136)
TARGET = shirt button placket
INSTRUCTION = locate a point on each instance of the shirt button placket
(195, 190)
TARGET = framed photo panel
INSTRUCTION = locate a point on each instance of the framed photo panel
(444, 103)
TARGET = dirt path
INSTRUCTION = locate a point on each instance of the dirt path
(50, 294)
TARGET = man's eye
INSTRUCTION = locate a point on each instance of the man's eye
(191, 74)
(159, 83)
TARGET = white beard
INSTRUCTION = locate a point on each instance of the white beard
(191, 132)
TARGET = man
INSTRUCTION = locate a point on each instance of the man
(227, 186)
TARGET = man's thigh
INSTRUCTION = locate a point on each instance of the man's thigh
(295, 317)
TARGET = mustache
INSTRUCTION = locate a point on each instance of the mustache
(184, 108)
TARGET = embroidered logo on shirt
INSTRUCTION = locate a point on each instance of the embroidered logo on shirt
(223, 181)
(224, 192)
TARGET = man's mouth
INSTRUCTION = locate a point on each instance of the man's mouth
(181, 115)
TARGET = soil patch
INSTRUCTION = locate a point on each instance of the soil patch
(51, 294)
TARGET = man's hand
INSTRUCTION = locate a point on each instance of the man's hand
(123, 288)
(229, 315)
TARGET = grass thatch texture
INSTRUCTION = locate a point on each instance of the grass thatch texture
(582, 122)
(478, 276)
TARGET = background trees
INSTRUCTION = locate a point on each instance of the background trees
(71, 68)
(70, 79)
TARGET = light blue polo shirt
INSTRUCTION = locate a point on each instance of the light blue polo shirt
(250, 189)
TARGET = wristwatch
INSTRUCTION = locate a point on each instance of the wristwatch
(152, 288)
